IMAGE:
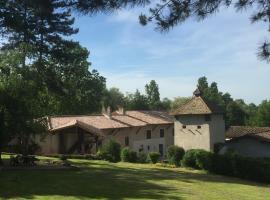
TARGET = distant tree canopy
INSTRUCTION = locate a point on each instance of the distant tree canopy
(237, 112)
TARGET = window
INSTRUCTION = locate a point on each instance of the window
(160, 149)
(161, 133)
(148, 134)
(184, 126)
(199, 127)
(127, 141)
(207, 118)
(148, 147)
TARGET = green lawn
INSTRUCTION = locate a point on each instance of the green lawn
(103, 180)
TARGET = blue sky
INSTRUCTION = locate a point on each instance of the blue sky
(222, 48)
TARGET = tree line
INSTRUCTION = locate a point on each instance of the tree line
(236, 111)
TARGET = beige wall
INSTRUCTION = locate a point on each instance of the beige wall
(137, 137)
(217, 130)
(193, 137)
(49, 143)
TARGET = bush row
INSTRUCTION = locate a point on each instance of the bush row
(229, 164)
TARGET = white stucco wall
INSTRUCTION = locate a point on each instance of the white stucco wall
(217, 130)
(195, 137)
(137, 137)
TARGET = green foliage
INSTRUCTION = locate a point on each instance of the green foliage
(137, 101)
(198, 159)
(231, 164)
(189, 159)
(262, 116)
(152, 94)
(142, 157)
(110, 151)
(175, 154)
(153, 157)
(203, 159)
(128, 155)
(113, 98)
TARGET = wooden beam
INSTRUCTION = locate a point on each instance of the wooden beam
(138, 130)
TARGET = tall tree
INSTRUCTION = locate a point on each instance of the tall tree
(152, 94)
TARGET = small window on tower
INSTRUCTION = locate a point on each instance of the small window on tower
(199, 127)
(184, 126)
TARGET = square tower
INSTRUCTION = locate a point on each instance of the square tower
(199, 124)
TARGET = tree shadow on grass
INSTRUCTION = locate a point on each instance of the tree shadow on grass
(187, 175)
(104, 180)
(91, 182)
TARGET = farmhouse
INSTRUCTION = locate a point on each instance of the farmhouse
(248, 141)
(143, 131)
(197, 124)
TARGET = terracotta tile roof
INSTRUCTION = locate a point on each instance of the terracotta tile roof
(198, 105)
(128, 120)
(262, 133)
(151, 117)
(97, 123)
(77, 123)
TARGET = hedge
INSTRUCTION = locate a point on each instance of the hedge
(229, 164)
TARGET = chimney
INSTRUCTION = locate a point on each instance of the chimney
(121, 110)
(107, 112)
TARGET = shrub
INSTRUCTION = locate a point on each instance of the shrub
(189, 159)
(125, 154)
(128, 155)
(153, 157)
(198, 159)
(110, 151)
(142, 157)
(203, 159)
(175, 154)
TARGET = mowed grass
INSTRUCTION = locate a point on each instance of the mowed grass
(103, 180)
